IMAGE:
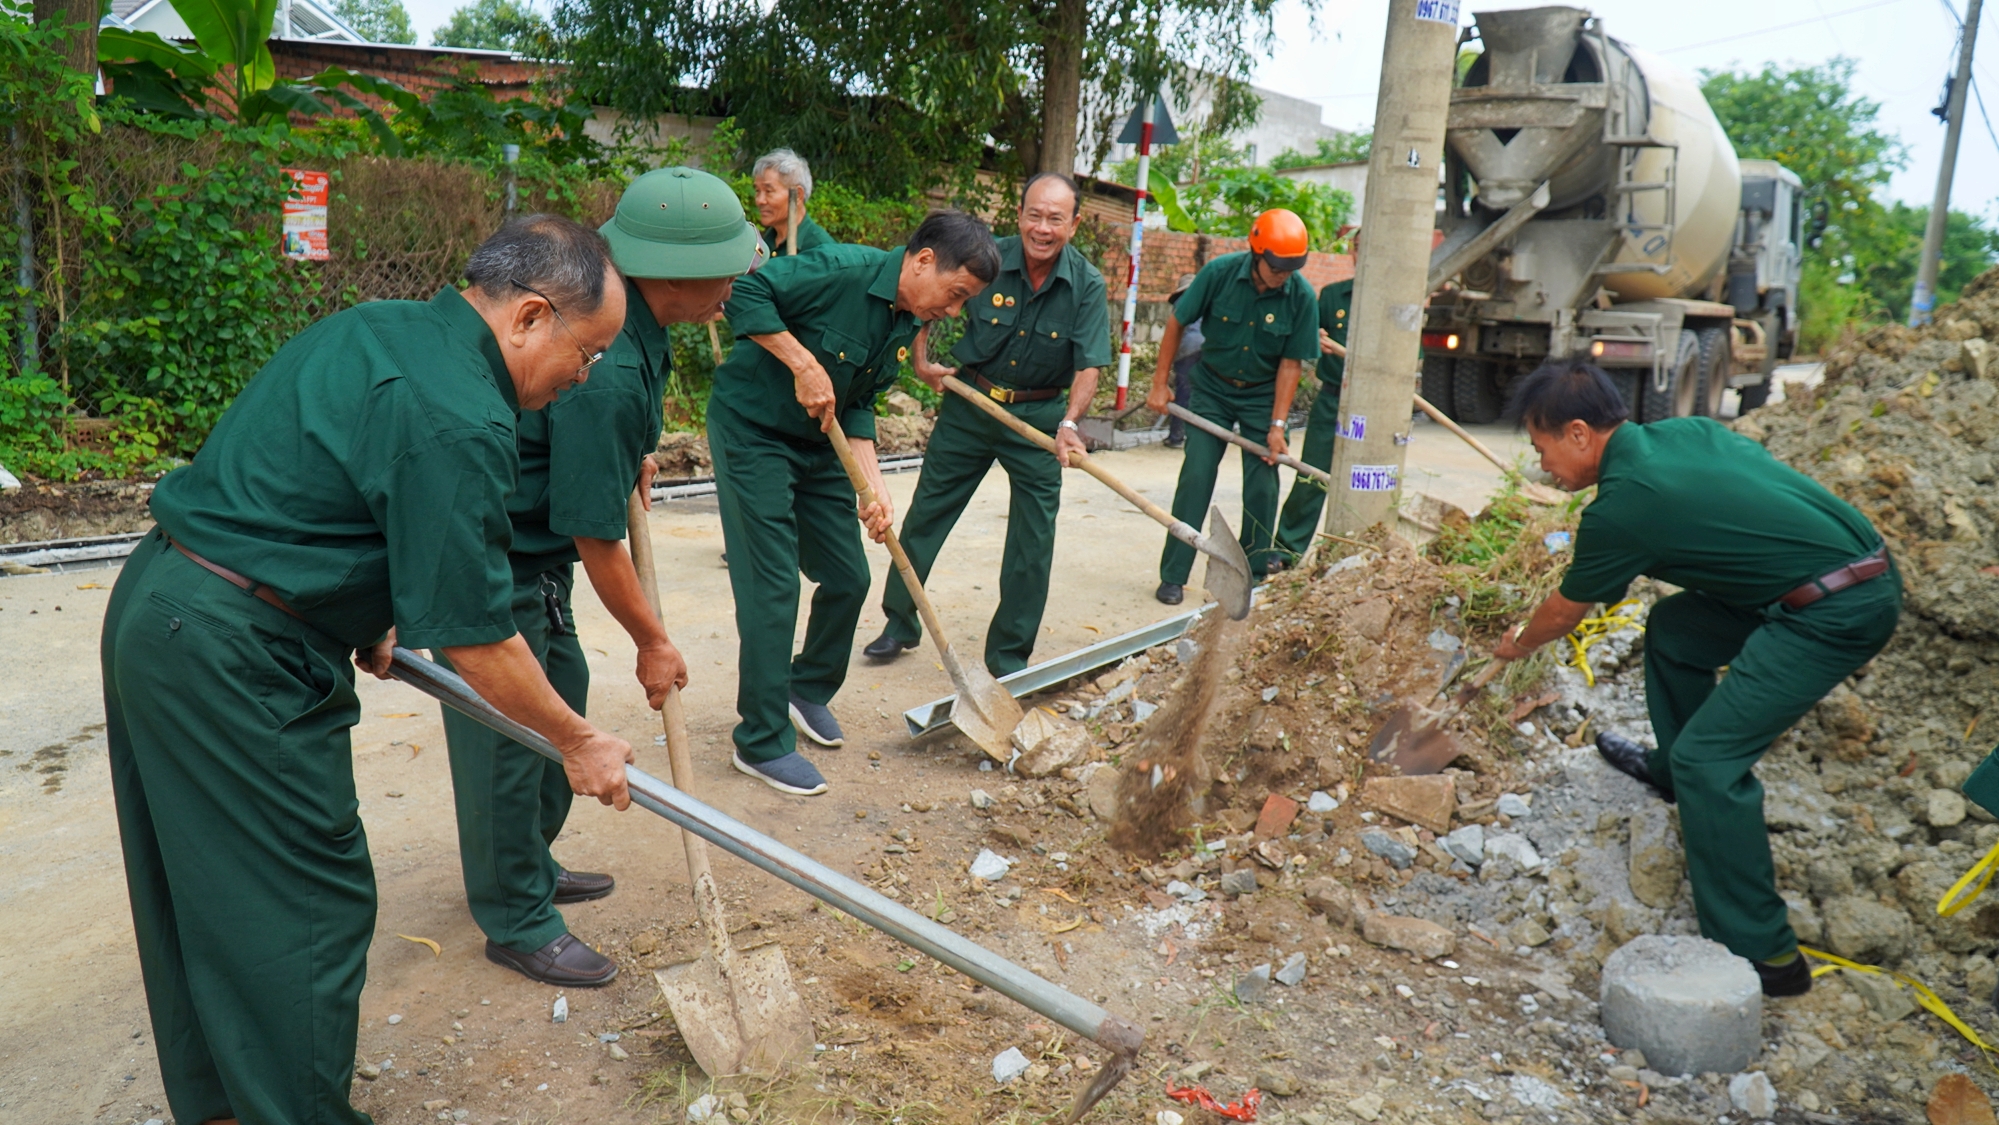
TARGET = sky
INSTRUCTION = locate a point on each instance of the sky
(1905, 49)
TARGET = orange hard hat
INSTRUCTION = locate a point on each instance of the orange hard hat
(1280, 239)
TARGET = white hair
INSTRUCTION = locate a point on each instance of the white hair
(791, 169)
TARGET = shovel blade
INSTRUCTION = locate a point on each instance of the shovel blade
(1414, 741)
(777, 1030)
(1227, 578)
(984, 710)
(704, 1009)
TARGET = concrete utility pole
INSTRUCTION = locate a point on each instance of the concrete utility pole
(1385, 340)
(1925, 298)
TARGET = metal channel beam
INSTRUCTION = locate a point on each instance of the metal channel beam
(937, 713)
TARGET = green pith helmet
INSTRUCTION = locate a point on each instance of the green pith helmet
(680, 223)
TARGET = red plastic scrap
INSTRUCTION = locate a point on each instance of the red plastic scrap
(1244, 1110)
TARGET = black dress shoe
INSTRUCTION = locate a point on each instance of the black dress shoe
(1791, 979)
(885, 648)
(581, 886)
(566, 962)
(1170, 594)
(1628, 758)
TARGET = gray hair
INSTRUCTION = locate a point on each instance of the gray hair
(560, 258)
(790, 167)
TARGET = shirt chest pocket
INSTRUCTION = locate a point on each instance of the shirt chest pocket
(1272, 330)
(844, 356)
(1052, 346)
(990, 329)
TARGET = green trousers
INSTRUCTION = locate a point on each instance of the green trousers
(1249, 410)
(787, 507)
(1299, 521)
(1780, 663)
(962, 449)
(253, 898)
(512, 801)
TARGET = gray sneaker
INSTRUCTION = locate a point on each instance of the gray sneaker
(817, 723)
(792, 773)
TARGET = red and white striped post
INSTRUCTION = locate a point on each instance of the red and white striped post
(1146, 122)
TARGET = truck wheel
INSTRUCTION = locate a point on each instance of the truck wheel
(1676, 398)
(1754, 397)
(1717, 359)
(1474, 393)
(1437, 378)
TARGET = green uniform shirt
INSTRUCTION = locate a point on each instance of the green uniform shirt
(363, 475)
(1335, 308)
(1247, 332)
(580, 454)
(839, 303)
(1028, 340)
(1689, 502)
(811, 236)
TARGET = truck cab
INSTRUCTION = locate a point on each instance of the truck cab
(1764, 271)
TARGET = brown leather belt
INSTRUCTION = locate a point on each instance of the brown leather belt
(1852, 574)
(256, 590)
(1007, 394)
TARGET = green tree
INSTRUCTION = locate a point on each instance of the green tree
(495, 25)
(1809, 120)
(1348, 148)
(380, 21)
(1884, 268)
(887, 96)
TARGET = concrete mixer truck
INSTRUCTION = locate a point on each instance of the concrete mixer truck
(1592, 206)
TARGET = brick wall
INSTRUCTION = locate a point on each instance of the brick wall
(414, 68)
(1168, 254)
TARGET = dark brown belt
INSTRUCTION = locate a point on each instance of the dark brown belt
(1852, 574)
(1008, 395)
(256, 590)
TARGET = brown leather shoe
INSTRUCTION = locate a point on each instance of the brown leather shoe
(566, 961)
(581, 886)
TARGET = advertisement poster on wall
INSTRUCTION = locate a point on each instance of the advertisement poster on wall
(305, 216)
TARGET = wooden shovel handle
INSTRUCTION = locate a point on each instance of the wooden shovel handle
(1228, 435)
(1082, 460)
(1438, 417)
(866, 493)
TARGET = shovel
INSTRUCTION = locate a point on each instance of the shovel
(1122, 1038)
(1414, 739)
(985, 711)
(736, 1009)
(1230, 436)
(1228, 576)
(1536, 492)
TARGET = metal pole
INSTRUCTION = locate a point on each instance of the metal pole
(1147, 117)
(512, 155)
(1925, 298)
(1384, 343)
(718, 828)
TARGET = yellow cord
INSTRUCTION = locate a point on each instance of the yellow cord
(1930, 1001)
(1957, 897)
(1594, 629)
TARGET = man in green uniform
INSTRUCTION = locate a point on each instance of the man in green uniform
(825, 335)
(359, 482)
(680, 239)
(1782, 583)
(1299, 521)
(783, 184)
(1035, 343)
(1259, 323)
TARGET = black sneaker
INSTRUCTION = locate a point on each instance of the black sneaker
(885, 648)
(1628, 758)
(792, 774)
(1791, 979)
(817, 723)
(1170, 594)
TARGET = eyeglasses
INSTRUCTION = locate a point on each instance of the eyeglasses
(589, 358)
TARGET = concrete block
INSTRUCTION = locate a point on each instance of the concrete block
(1414, 935)
(1687, 1002)
(1427, 800)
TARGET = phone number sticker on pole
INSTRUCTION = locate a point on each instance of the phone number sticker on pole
(1372, 478)
(1438, 11)
(1354, 428)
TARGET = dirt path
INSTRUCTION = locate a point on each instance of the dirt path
(74, 1041)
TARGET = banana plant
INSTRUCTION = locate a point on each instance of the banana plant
(228, 72)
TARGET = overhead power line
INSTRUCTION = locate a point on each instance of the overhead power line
(1779, 27)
